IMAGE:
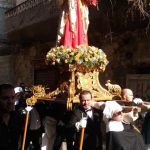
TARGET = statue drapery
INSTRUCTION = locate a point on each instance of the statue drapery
(74, 23)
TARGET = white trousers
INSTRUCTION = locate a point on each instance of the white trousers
(50, 133)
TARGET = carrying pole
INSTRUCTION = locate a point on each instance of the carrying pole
(81, 138)
(25, 130)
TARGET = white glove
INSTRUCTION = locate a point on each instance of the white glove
(77, 125)
(137, 101)
(28, 108)
(81, 124)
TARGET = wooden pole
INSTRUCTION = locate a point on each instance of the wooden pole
(81, 138)
(25, 130)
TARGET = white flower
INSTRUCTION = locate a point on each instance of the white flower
(58, 60)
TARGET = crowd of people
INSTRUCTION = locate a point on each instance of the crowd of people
(108, 123)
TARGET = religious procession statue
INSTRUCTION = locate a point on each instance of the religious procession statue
(72, 54)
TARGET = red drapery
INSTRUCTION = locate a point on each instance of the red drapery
(74, 23)
(92, 2)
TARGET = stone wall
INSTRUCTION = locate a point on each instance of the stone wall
(23, 67)
(28, 59)
(6, 74)
(128, 53)
(6, 65)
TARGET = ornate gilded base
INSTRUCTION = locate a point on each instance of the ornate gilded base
(68, 91)
(90, 81)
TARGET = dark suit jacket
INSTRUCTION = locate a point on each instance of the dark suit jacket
(92, 135)
(10, 134)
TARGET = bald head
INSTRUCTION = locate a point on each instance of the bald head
(127, 95)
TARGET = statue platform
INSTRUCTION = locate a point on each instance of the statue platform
(83, 66)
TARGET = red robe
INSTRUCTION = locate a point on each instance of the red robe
(74, 24)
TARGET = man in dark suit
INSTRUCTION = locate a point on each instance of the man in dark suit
(92, 135)
(10, 121)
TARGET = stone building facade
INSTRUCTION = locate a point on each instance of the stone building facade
(31, 28)
(6, 74)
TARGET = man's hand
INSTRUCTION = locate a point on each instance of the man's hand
(28, 108)
(145, 107)
(138, 101)
(81, 124)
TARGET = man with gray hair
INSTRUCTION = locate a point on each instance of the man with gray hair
(127, 95)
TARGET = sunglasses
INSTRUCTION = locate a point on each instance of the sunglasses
(118, 113)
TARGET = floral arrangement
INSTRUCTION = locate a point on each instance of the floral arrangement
(84, 58)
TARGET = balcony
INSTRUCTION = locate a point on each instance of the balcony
(33, 20)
